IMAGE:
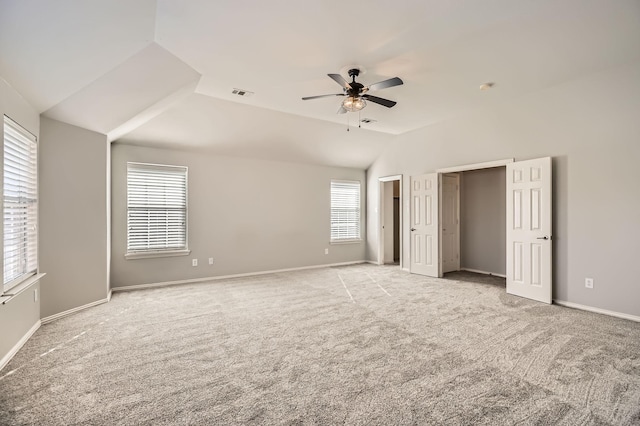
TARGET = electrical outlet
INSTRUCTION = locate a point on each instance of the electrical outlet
(211, 261)
(194, 262)
(588, 282)
(326, 251)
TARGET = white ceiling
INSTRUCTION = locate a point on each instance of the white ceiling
(161, 72)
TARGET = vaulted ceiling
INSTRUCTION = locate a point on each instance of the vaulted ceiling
(161, 73)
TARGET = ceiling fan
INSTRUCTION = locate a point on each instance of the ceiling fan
(356, 93)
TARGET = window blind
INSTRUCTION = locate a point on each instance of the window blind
(345, 210)
(156, 207)
(20, 197)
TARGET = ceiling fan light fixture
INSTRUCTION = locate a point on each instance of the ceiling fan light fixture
(353, 104)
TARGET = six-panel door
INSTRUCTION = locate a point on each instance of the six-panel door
(529, 229)
(424, 225)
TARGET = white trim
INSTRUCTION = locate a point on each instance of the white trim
(349, 241)
(59, 315)
(596, 310)
(406, 270)
(158, 253)
(478, 271)
(14, 350)
(109, 295)
(222, 277)
(390, 178)
(373, 262)
(476, 166)
(16, 290)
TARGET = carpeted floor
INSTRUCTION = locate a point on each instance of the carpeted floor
(361, 345)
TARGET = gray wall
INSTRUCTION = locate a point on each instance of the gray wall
(483, 222)
(249, 215)
(21, 313)
(18, 316)
(73, 216)
(591, 129)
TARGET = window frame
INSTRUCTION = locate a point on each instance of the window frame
(346, 240)
(30, 275)
(155, 252)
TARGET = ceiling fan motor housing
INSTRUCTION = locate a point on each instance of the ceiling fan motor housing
(355, 88)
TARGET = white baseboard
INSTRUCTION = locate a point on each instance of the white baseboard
(406, 269)
(5, 360)
(478, 271)
(109, 295)
(597, 310)
(59, 315)
(222, 277)
(374, 262)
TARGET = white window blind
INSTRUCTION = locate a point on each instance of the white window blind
(345, 210)
(156, 208)
(20, 197)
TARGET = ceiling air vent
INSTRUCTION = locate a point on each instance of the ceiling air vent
(368, 120)
(242, 92)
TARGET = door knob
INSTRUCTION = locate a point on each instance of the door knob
(413, 229)
(543, 238)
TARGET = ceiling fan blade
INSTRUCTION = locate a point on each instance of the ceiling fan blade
(395, 81)
(321, 96)
(341, 110)
(381, 101)
(340, 80)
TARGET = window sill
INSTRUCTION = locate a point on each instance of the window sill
(356, 241)
(152, 254)
(16, 290)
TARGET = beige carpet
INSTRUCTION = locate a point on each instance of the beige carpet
(354, 345)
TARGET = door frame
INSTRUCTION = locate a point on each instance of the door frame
(381, 212)
(465, 168)
(476, 166)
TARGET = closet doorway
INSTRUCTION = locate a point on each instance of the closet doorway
(527, 239)
(473, 221)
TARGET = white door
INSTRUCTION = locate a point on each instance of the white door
(529, 229)
(450, 222)
(425, 259)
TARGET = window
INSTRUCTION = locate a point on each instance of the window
(345, 211)
(156, 210)
(20, 208)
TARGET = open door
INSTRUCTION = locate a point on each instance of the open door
(529, 229)
(424, 215)
(450, 222)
